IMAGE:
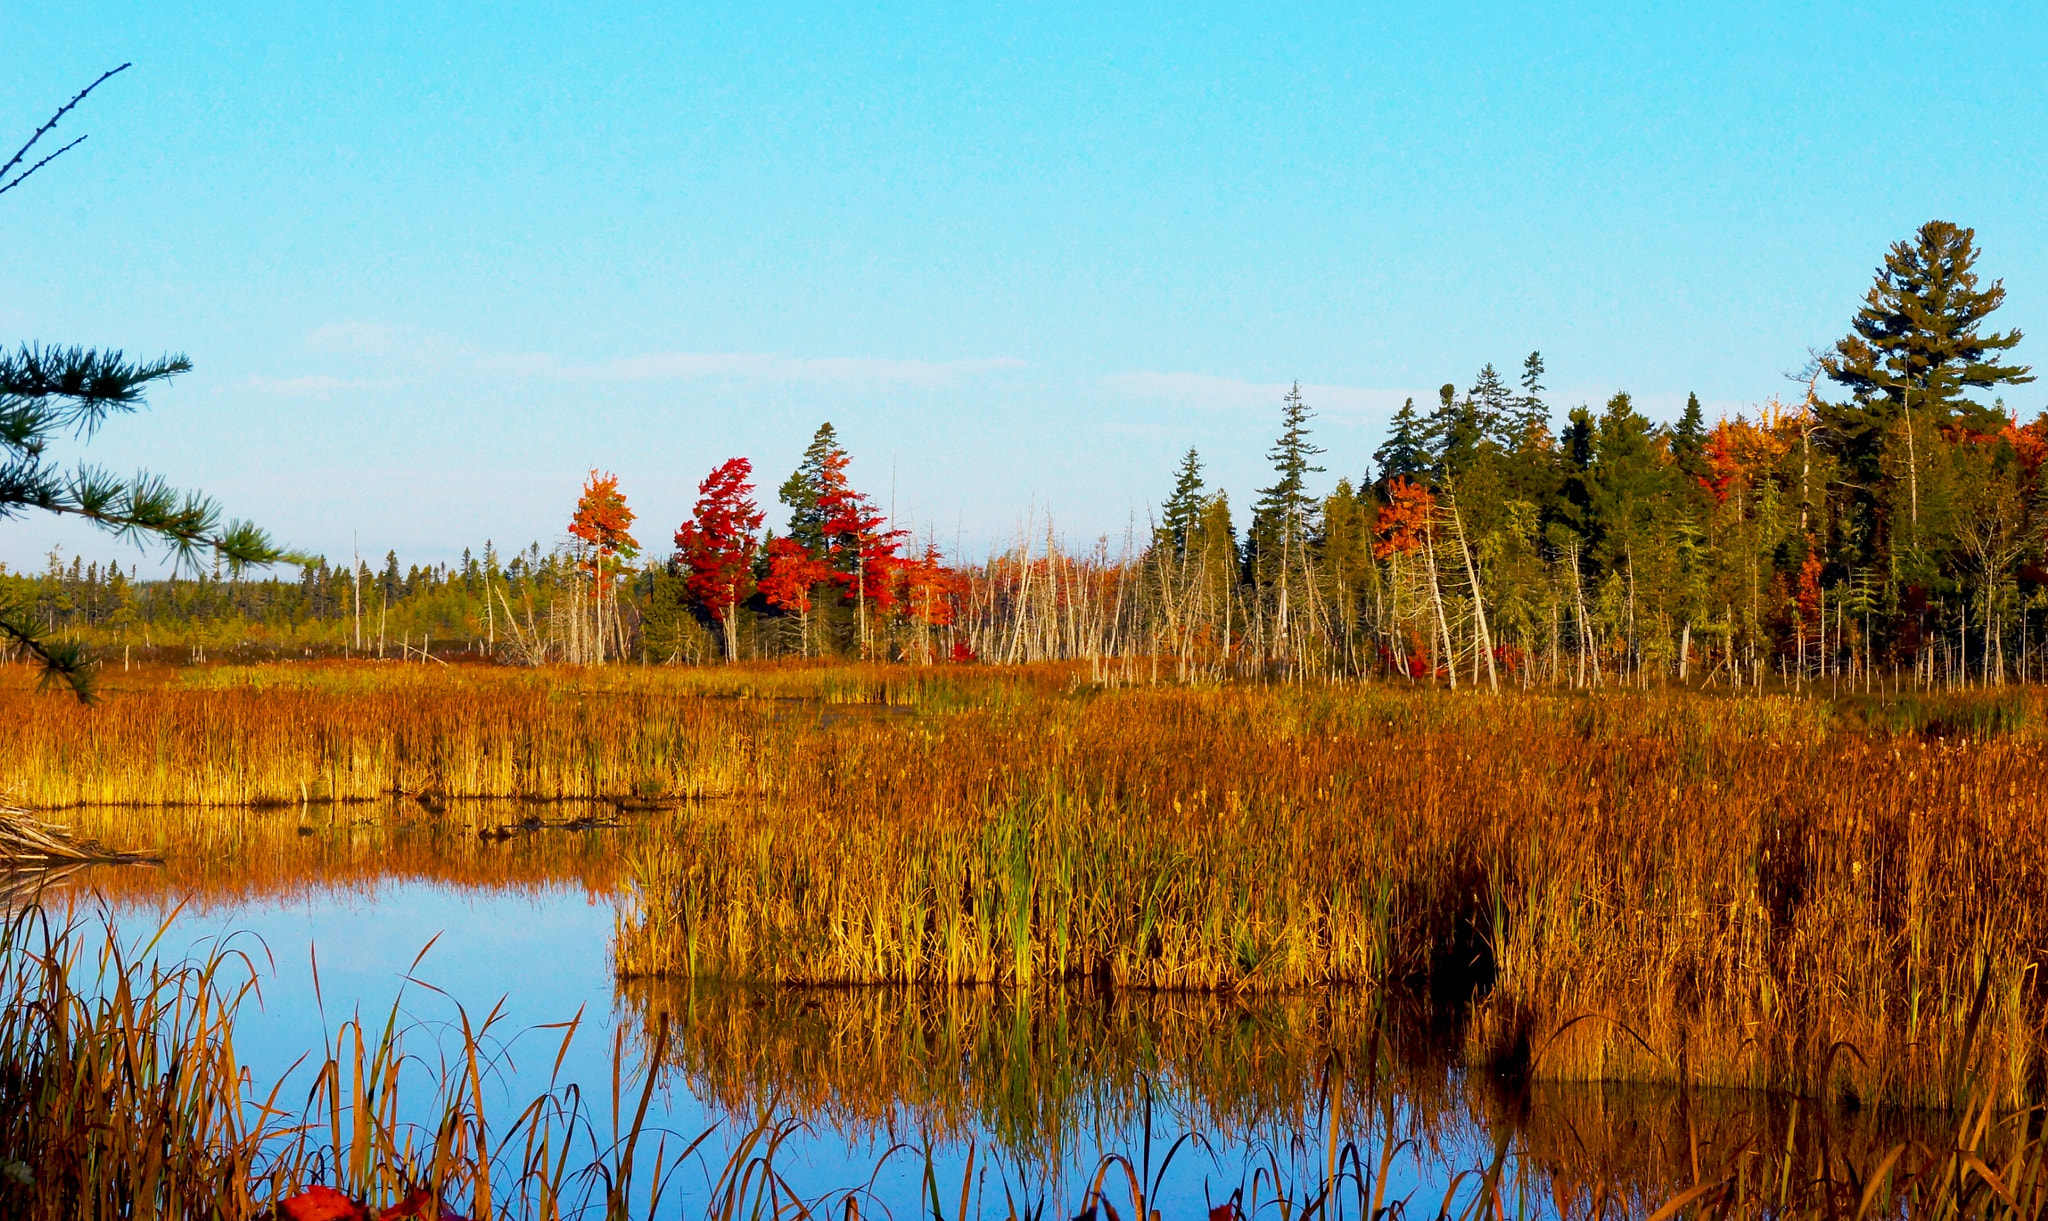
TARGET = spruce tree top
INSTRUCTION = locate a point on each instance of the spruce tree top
(1182, 512)
(1454, 431)
(1405, 452)
(1287, 502)
(1689, 438)
(803, 487)
(1493, 403)
(1532, 417)
(1916, 342)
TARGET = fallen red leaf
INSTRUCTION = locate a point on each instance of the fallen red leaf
(322, 1204)
(412, 1208)
(418, 1205)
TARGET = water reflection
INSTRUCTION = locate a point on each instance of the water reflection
(1042, 1074)
(1056, 1078)
(1049, 1080)
(238, 856)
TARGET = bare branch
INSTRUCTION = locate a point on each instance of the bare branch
(21, 177)
(44, 130)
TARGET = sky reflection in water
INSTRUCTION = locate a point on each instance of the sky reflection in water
(1047, 1088)
(541, 950)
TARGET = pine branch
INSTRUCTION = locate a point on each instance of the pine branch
(62, 662)
(44, 130)
(44, 389)
(149, 508)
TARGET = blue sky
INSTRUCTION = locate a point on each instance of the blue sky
(433, 263)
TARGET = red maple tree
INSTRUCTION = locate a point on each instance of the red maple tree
(861, 554)
(930, 589)
(793, 572)
(716, 546)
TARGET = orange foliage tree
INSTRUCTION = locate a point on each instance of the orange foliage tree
(601, 522)
(793, 573)
(2029, 445)
(1403, 524)
(1806, 603)
(931, 593)
(1738, 452)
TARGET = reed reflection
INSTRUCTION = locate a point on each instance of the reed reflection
(221, 858)
(1055, 1077)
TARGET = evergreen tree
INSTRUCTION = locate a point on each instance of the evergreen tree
(1454, 433)
(1283, 517)
(1689, 439)
(1915, 345)
(1405, 453)
(47, 391)
(1183, 509)
(1576, 449)
(1493, 408)
(1343, 545)
(1216, 543)
(1532, 417)
(803, 487)
(1626, 479)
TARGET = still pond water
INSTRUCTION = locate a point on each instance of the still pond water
(363, 912)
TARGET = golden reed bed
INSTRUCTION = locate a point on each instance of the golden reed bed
(1760, 891)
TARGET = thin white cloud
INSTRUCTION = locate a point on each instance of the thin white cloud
(390, 346)
(751, 366)
(1208, 393)
(353, 337)
(312, 385)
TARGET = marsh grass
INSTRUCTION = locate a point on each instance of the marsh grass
(1835, 899)
(1707, 892)
(237, 736)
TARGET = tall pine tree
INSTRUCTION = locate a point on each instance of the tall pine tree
(1454, 433)
(1916, 345)
(1532, 416)
(1183, 509)
(1283, 518)
(1493, 407)
(1689, 440)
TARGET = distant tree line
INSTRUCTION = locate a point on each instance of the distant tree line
(1882, 524)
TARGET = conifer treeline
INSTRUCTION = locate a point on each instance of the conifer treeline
(1883, 525)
